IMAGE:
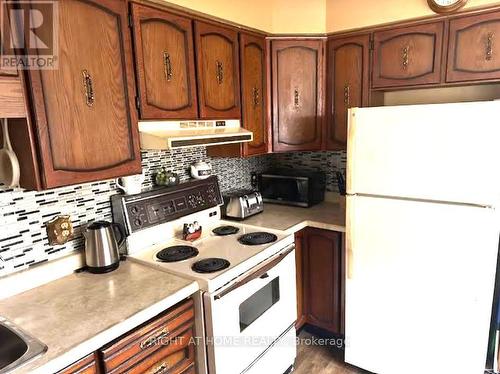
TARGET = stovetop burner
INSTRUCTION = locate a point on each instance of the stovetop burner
(225, 230)
(176, 253)
(257, 238)
(210, 265)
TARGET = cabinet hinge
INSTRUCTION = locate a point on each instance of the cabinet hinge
(138, 103)
(130, 21)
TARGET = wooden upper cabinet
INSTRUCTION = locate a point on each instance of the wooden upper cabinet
(474, 48)
(408, 56)
(165, 64)
(348, 64)
(11, 86)
(218, 71)
(254, 100)
(297, 67)
(84, 112)
(253, 92)
(5, 39)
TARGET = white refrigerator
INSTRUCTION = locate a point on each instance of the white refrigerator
(423, 193)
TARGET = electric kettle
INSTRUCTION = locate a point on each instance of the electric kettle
(101, 247)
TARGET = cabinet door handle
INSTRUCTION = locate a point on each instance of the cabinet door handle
(256, 97)
(489, 46)
(347, 95)
(219, 73)
(152, 340)
(167, 66)
(89, 88)
(160, 369)
(296, 98)
(406, 57)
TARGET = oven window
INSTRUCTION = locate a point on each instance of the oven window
(255, 306)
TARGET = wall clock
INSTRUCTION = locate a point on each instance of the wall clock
(446, 6)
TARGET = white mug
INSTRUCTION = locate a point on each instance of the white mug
(132, 184)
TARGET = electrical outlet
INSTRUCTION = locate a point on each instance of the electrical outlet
(253, 179)
(59, 230)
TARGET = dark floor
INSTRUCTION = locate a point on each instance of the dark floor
(320, 359)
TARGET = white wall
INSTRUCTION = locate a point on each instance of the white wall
(350, 14)
(274, 16)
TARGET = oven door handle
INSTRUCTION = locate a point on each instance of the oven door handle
(259, 273)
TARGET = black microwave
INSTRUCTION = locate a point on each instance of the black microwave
(293, 187)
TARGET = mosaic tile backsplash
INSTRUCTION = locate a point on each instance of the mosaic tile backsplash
(23, 214)
(328, 162)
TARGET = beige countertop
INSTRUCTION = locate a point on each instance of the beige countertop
(77, 314)
(326, 215)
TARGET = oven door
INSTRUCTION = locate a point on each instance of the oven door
(248, 315)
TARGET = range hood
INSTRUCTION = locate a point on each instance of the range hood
(185, 134)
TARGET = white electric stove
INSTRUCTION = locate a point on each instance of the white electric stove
(240, 257)
(246, 274)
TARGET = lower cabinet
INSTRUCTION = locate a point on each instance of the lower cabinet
(164, 344)
(319, 279)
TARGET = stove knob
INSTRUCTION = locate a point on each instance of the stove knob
(134, 210)
(138, 222)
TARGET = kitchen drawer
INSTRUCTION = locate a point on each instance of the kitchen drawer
(139, 344)
(175, 358)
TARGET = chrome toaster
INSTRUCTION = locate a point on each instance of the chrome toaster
(241, 204)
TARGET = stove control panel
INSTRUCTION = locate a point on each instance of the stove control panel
(137, 212)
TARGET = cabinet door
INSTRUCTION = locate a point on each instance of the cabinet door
(348, 64)
(11, 86)
(474, 52)
(218, 71)
(323, 278)
(6, 41)
(297, 95)
(84, 110)
(253, 89)
(165, 64)
(408, 56)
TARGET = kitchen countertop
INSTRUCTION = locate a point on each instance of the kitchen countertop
(79, 313)
(326, 215)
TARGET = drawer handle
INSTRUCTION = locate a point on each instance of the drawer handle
(152, 340)
(296, 98)
(347, 95)
(160, 369)
(219, 72)
(89, 88)
(406, 57)
(489, 46)
(256, 97)
(167, 65)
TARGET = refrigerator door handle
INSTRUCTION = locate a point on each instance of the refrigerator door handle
(350, 260)
(349, 237)
(351, 150)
